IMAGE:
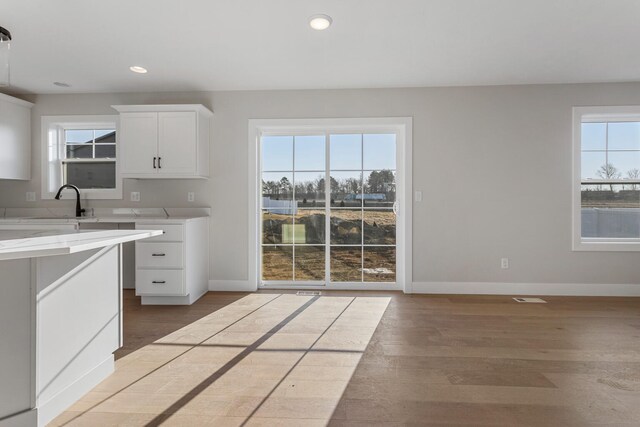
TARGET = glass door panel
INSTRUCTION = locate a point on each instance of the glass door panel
(349, 238)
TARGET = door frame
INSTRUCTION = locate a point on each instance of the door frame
(402, 126)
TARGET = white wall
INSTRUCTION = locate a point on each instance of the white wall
(494, 165)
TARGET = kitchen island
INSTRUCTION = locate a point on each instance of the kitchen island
(60, 317)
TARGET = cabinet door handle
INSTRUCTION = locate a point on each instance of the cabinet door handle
(154, 162)
(159, 281)
(157, 254)
(159, 165)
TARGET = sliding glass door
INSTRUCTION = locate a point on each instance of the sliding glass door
(328, 209)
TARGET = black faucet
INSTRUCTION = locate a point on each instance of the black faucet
(79, 210)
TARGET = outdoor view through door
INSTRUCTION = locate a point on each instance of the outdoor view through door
(328, 208)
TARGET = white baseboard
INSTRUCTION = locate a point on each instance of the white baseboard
(494, 288)
(67, 397)
(231, 286)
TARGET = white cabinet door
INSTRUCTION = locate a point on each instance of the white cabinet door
(138, 143)
(15, 139)
(177, 143)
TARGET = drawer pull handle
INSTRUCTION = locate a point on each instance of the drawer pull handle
(157, 254)
(159, 281)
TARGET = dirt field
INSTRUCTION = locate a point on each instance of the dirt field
(348, 263)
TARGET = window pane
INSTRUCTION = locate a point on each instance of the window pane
(79, 151)
(346, 152)
(105, 151)
(310, 153)
(626, 163)
(346, 227)
(105, 136)
(273, 224)
(277, 263)
(379, 227)
(91, 175)
(611, 210)
(346, 189)
(309, 263)
(594, 136)
(310, 226)
(309, 189)
(379, 189)
(379, 151)
(277, 190)
(277, 153)
(624, 136)
(346, 263)
(592, 162)
(78, 136)
(379, 264)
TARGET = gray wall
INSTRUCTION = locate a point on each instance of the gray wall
(494, 165)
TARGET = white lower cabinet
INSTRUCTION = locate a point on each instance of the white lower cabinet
(160, 255)
(173, 268)
(160, 282)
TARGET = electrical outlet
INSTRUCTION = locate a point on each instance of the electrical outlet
(31, 196)
(191, 196)
(504, 263)
(418, 196)
(135, 196)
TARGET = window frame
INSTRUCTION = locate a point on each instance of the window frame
(594, 114)
(53, 148)
(402, 126)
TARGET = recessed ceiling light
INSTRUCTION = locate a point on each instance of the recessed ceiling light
(320, 22)
(62, 84)
(138, 69)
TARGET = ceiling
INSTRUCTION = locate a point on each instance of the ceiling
(267, 44)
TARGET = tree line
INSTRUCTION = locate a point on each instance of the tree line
(382, 182)
(609, 171)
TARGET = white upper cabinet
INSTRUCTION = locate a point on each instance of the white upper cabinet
(164, 141)
(15, 138)
(138, 142)
(177, 142)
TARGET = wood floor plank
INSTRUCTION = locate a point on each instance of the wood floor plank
(422, 360)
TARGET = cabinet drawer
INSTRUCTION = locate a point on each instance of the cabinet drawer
(160, 282)
(170, 232)
(162, 255)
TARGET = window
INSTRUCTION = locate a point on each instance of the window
(607, 178)
(90, 158)
(82, 151)
(349, 236)
(327, 197)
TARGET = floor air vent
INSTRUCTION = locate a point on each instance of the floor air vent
(308, 293)
(531, 300)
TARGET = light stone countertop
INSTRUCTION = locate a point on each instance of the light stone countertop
(100, 215)
(18, 244)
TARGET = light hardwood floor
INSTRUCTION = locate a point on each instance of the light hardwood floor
(265, 359)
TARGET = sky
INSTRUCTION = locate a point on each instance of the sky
(619, 142)
(348, 152)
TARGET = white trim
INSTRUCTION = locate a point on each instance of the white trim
(50, 409)
(48, 125)
(339, 286)
(493, 288)
(163, 108)
(402, 126)
(231, 286)
(595, 114)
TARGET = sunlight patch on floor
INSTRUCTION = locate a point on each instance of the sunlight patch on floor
(265, 359)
